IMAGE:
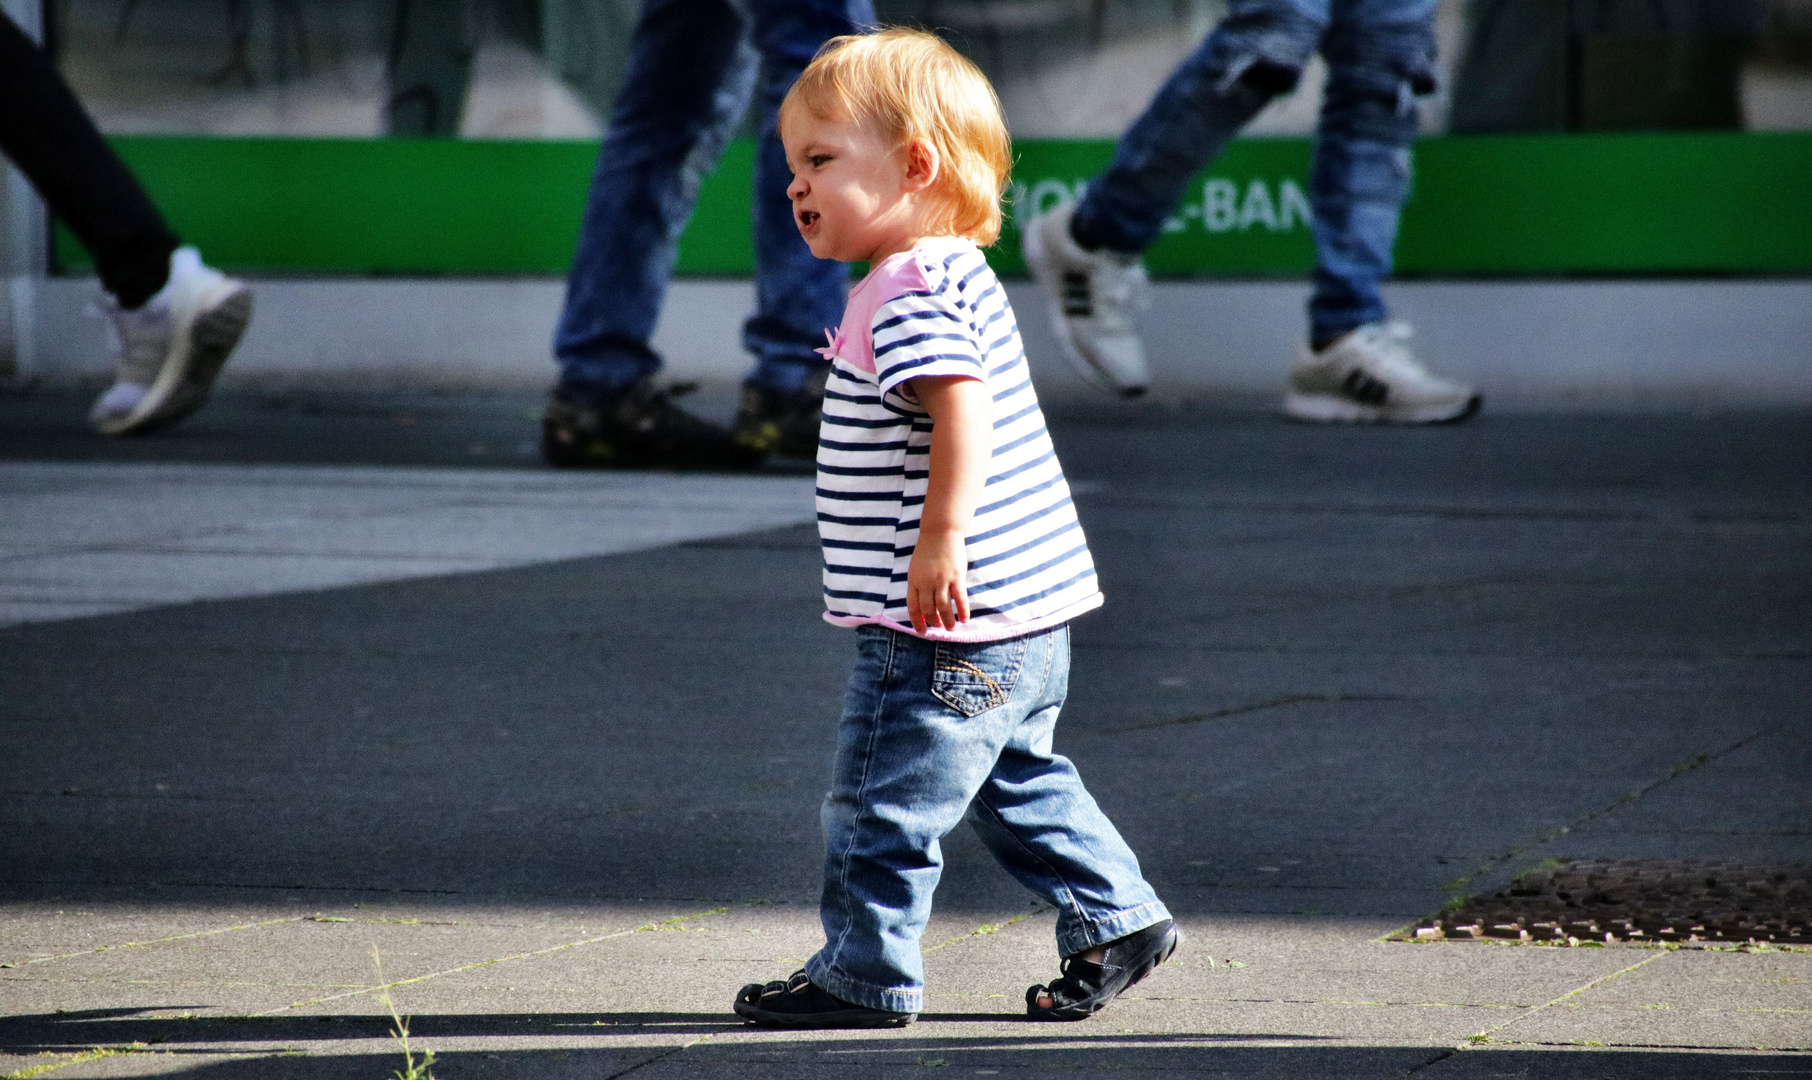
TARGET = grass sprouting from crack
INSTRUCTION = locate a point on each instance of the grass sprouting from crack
(154, 941)
(412, 1069)
(1546, 866)
(668, 923)
(1480, 1038)
(1691, 764)
(1455, 886)
(990, 928)
(66, 1060)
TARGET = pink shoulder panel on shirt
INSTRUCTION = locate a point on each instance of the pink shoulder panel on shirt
(853, 342)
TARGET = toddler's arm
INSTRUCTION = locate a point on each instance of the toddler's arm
(962, 440)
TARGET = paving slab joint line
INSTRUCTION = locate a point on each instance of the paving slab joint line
(562, 947)
(1482, 1038)
(156, 941)
(1317, 1001)
(1690, 765)
(989, 928)
(659, 1057)
(1256, 706)
(80, 1057)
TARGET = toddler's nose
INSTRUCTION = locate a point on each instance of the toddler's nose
(796, 189)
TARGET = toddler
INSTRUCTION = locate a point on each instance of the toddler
(951, 546)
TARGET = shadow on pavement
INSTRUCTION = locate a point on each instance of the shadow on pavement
(598, 1046)
(63, 1032)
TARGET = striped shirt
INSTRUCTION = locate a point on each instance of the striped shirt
(939, 310)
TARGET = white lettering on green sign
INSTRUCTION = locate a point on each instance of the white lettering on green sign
(1278, 205)
(1224, 209)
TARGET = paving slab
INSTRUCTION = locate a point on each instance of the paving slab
(1690, 999)
(664, 986)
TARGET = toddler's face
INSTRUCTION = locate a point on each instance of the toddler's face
(852, 195)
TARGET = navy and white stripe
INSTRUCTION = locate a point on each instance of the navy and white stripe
(939, 310)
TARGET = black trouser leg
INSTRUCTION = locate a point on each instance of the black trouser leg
(45, 131)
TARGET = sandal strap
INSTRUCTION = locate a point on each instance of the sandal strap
(797, 982)
(792, 984)
(1080, 979)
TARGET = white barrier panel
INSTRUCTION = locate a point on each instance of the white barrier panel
(1662, 344)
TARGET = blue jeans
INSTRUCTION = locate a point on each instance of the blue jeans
(1380, 56)
(694, 67)
(932, 731)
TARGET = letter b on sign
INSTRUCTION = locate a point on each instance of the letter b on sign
(1220, 205)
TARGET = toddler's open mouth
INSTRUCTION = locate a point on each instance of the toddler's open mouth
(807, 218)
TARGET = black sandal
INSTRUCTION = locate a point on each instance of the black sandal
(1086, 987)
(797, 1004)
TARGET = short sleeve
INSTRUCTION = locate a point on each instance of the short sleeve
(920, 330)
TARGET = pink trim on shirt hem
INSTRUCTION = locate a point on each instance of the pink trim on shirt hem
(992, 632)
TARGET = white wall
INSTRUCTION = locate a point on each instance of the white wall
(1593, 343)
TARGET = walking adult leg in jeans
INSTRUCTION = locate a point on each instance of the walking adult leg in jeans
(173, 321)
(694, 67)
(1380, 57)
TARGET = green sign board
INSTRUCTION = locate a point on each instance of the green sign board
(1723, 203)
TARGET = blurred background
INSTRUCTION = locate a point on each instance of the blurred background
(547, 69)
(1612, 204)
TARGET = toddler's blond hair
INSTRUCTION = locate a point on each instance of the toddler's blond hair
(906, 85)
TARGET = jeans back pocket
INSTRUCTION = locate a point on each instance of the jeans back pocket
(975, 678)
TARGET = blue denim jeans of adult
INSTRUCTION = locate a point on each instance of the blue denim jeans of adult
(694, 67)
(933, 732)
(1380, 56)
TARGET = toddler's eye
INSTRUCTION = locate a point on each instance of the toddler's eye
(818, 160)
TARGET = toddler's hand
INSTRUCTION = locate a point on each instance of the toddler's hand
(935, 594)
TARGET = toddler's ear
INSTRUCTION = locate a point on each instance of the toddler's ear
(922, 165)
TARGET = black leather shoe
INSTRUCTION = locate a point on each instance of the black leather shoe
(768, 422)
(797, 1004)
(640, 428)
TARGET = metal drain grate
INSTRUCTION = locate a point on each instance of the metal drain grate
(1637, 901)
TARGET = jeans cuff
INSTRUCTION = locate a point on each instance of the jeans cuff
(1092, 230)
(1112, 928)
(888, 998)
(600, 379)
(1324, 332)
(784, 374)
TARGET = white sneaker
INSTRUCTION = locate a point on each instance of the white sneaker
(1369, 377)
(1093, 296)
(169, 350)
